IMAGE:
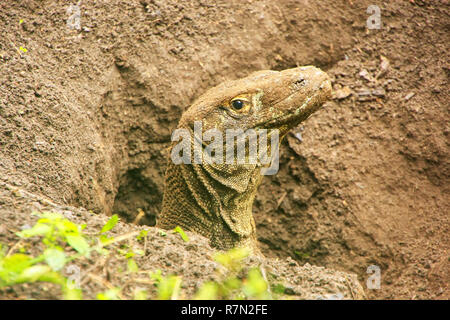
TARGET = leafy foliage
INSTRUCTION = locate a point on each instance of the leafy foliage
(180, 231)
(63, 241)
(232, 286)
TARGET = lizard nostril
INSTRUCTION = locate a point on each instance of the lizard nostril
(299, 81)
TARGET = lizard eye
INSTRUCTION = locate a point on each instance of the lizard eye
(240, 105)
(237, 104)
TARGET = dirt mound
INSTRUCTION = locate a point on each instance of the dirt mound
(86, 115)
(165, 251)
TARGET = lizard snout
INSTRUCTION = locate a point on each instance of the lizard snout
(309, 76)
(309, 81)
(313, 81)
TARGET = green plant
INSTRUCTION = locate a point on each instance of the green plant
(251, 285)
(55, 229)
(63, 241)
(168, 287)
(56, 232)
(180, 231)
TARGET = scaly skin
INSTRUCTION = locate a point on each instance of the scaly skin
(215, 200)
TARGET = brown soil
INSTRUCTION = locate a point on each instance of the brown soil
(86, 116)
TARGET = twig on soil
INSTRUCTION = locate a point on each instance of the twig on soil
(119, 238)
(139, 216)
(145, 244)
(281, 199)
(14, 247)
(132, 282)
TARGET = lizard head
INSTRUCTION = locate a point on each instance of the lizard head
(263, 100)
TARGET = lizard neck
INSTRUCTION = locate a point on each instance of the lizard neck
(214, 200)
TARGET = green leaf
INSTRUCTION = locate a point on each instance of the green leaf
(67, 227)
(255, 286)
(132, 266)
(232, 259)
(180, 231)
(278, 288)
(142, 234)
(11, 267)
(111, 294)
(156, 275)
(140, 294)
(301, 255)
(232, 283)
(55, 258)
(35, 273)
(78, 243)
(39, 229)
(104, 239)
(71, 293)
(169, 288)
(208, 291)
(16, 262)
(110, 224)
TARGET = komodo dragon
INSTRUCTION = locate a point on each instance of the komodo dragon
(215, 200)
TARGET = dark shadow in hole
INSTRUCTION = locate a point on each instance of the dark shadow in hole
(137, 192)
